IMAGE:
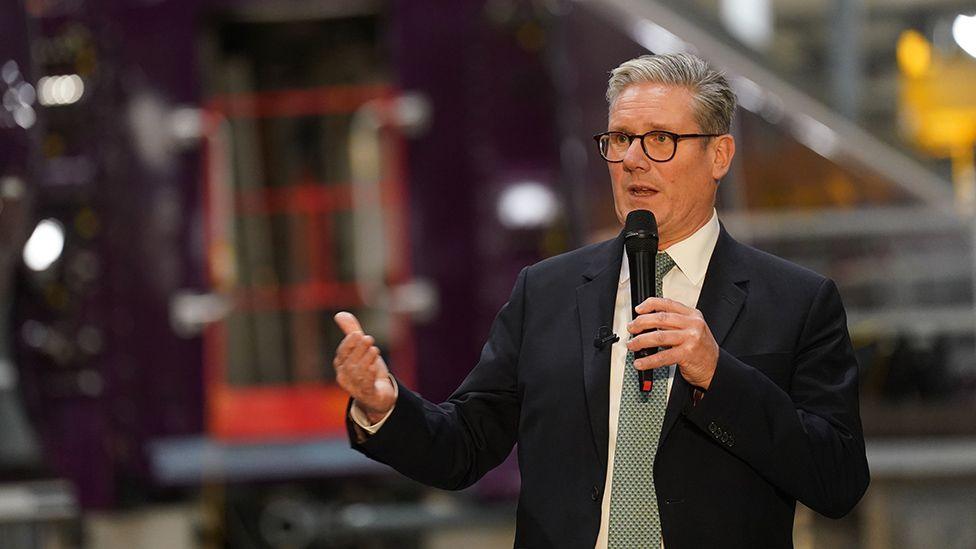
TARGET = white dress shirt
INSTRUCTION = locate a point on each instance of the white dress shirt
(683, 284)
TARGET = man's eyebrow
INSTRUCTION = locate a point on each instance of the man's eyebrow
(626, 129)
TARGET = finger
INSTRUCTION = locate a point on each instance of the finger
(347, 322)
(374, 373)
(349, 344)
(369, 363)
(653, 304)
(355, 358)
(666, 357)
(658, 338)
(382, 386)
(361, 382)
(377, 376)
(377, 366)
(664, 320)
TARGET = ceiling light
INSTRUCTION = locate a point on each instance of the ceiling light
(527, 204)
(45, 244)
(964, 32)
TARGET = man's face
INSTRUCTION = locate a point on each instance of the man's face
(681, 191)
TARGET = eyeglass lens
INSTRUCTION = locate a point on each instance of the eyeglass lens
(659, 146)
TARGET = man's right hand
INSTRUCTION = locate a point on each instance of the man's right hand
(361, 371)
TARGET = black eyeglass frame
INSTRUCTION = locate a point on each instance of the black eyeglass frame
(676, 137)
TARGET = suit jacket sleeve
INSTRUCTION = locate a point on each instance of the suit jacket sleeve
(453, 444)
(806, 441)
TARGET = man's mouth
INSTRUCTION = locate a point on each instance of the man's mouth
(641, 190)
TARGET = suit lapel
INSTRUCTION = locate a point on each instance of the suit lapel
(722, 297)
(595, 300)
(724, 291)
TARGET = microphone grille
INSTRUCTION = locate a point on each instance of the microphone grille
(640, 232)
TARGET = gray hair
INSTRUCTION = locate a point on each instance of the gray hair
(713, 98)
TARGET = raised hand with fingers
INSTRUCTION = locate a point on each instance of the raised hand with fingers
(361, 371)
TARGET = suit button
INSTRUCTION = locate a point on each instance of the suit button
(595, 494)
(712, 428)
(725, 437)
(731, 441)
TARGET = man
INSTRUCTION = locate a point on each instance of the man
(757, 405)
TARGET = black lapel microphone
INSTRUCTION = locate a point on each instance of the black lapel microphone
(604, 337)
(640, 241)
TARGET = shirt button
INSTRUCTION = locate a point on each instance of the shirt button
(595, 494)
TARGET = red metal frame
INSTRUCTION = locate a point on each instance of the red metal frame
(303, 409)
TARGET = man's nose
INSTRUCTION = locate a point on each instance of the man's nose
(634, 158)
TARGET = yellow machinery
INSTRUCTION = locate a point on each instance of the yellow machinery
(938, 107)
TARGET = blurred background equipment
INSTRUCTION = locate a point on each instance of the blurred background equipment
(37, 508)
(190, 189)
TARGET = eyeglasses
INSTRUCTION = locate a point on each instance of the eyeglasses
(658, 145)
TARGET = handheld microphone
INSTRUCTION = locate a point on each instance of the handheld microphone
(640, 241)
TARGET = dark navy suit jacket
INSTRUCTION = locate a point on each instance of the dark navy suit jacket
(779, 423)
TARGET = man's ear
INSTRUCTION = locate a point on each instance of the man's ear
(723, 149)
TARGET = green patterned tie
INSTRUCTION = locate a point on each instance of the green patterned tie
(634, 519)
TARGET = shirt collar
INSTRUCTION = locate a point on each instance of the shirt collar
(691, 255)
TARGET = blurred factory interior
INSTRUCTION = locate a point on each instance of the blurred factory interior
(190, 189)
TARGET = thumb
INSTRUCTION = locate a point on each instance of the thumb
(383, 382)
(347, 322)
(384, 386)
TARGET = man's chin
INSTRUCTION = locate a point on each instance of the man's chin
(633, 207)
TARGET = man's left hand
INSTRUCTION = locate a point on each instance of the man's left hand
(684, 336)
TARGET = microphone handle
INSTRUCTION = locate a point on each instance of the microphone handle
(642, 286)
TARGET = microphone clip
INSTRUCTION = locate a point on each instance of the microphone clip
(604, 337)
